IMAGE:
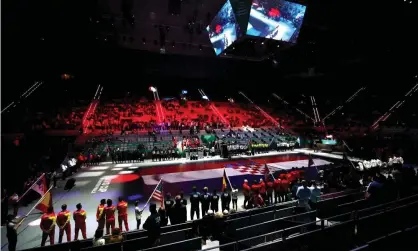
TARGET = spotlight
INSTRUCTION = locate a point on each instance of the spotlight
(184, 92)
(152, 89)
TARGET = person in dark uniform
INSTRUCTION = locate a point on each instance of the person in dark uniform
(194, 201)
(179, 212)
(182, 199)
(205, 200)
(152, 225)
(11, 228)
(153, 154)
(168, 205)
(214, 201)
(163, 216)
(226, 200)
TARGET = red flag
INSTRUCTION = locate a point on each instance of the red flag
(45, 203)
(40, 186)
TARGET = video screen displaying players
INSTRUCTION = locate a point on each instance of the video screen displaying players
(276, 19)
(223, 30)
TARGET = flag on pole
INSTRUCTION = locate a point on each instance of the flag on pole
(158, 193)
(40, 185)
(46, 196)
(310, 161)
(267, 173)
(45, 203)
(311, 173)
(224, 181)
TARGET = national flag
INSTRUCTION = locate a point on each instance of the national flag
(310, 161)
(311, 173)
(158, 193)
(224, 181)
(45, 203)
(40, 186)
(267, 173)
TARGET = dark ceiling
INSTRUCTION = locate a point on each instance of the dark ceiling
(342, 44)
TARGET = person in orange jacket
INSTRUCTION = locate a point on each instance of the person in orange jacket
(277, 191)
(100, 216)
(64, 224)
(79, 217)
(285, 185)
(255, 187)
(270, 188)
(123, 213)
(47, 225)
(246, 190)
(262, 189)
(109, 211)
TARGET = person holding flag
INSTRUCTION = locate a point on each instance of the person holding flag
(63, 222)
(47, 225)
(226, 195)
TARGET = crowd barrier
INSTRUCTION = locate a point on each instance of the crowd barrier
(404, 239)
(142, 243)
(341, 236)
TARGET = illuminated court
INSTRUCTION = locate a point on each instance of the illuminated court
(136, 181)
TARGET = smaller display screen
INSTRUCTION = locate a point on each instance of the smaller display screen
(223, 30)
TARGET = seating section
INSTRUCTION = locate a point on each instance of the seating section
(141, 115)
(283, 227)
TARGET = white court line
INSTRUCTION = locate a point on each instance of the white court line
(89, 174)
(123, 165)
(125, 172)
(117, 169)
(98, 168)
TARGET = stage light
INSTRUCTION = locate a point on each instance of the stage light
(205, 97)
(152, 89)
(184, 92)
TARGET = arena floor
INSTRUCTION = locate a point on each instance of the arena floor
(136, 181)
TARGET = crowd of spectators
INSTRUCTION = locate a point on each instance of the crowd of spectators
(135, 116)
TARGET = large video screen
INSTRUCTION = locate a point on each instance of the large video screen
(223, 30)
(276, 19)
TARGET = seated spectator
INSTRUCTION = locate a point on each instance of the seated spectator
(98, 239)
(116, 236)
